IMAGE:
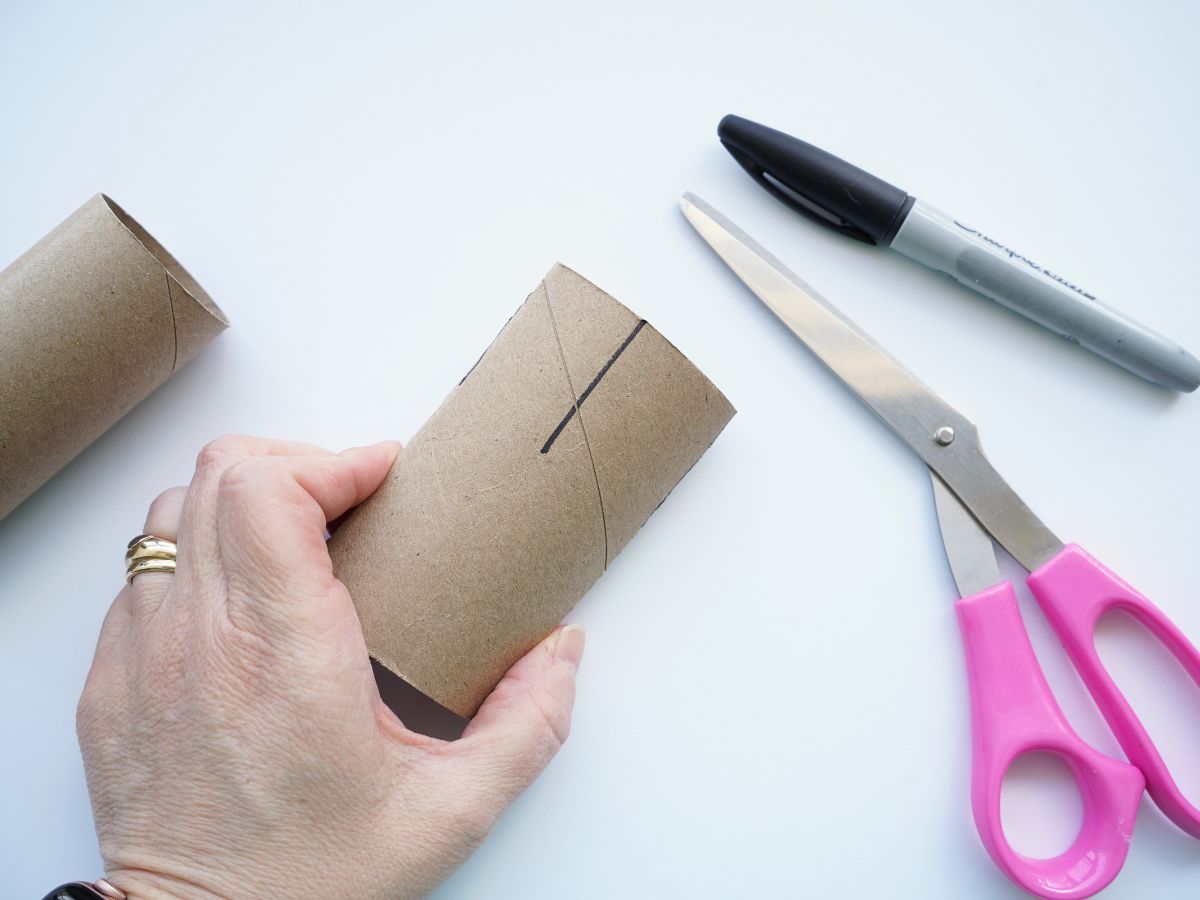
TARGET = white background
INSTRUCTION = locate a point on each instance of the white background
(773, 699)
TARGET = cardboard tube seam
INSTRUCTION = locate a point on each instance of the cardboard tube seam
(174, 271)
(174, 325)
(562, 356)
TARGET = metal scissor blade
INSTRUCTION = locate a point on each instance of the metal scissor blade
(938, 433)
(969, 548)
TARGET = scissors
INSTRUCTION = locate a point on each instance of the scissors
(1013, 711)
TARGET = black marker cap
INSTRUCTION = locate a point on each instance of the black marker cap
(817, 184)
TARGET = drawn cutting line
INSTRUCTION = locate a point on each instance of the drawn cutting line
(591, 387)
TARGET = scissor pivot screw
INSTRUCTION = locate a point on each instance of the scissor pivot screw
(944, 435)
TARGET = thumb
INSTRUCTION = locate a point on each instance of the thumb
(525, 720)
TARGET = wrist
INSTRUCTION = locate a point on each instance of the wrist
(142, 884)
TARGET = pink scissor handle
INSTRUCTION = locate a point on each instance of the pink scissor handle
(1074, 591)
(1012, 713)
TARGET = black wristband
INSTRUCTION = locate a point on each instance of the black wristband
(76, 890)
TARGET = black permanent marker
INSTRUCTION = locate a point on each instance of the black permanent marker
(845, 198)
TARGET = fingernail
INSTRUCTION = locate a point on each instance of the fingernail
(568, 644)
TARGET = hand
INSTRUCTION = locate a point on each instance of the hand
(233, 737)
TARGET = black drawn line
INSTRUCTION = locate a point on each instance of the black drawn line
(591, 387)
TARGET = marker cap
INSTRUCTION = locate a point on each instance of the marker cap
(817, 184)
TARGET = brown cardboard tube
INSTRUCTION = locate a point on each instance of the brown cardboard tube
(514, 497)
(93, 318)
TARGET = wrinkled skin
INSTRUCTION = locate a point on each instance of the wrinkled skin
(232, 733)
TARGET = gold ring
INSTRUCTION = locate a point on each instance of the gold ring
(149, 553)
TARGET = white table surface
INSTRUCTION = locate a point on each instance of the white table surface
(773, 701)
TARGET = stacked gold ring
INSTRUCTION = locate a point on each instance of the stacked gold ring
(148, 553)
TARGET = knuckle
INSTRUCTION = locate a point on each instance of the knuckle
(244, 476)
(335, 481)
(220, 450)
(556, 724)
(552, 721)
(341, 480)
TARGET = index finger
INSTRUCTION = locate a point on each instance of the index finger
(271, 516)
(198, 541)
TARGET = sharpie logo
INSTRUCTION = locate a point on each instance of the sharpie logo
(1013, 254)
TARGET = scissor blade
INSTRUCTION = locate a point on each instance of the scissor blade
(938, 433)
(969, 548)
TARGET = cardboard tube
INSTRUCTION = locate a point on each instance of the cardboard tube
(514, 497)
(93, 318)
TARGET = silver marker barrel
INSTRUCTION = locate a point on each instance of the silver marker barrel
(983, 264)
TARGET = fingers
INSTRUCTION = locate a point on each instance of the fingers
(147, 591)
(165, 514)
(253, 474)
(199, 558)
(339, 483)
(271, 514)
(525, 721)
(232, 447)
(250, 528)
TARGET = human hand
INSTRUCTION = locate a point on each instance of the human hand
(233, 736)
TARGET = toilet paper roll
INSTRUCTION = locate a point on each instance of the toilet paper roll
(93, 318)
(514, 497)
